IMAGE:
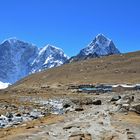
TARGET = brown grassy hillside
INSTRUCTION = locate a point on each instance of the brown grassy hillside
(112, 69)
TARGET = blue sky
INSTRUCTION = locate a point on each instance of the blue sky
(71, 24)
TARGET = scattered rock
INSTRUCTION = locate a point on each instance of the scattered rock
(80, 136)
(97, 102)
(68, 127)
(29, 127)
(110, 137)
(115, 98)
(136, 108)
(131, 136)
(35, 114)
(125, 100)
(86, 101)
(101, 122)
(23, 114)
(18, 115)
(122, 110)
(127, 129)
(126, 106)
(9, 115)
(126, 113)
(79, 108)
(66, 105)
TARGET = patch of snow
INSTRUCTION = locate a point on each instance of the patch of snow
(4, 85)
(9, 40)
(48, 57)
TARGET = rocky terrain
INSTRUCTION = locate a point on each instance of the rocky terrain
(42, 106)
(54, 112)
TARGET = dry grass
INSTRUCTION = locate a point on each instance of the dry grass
(112, 69)
(10, 133)
(131, 118)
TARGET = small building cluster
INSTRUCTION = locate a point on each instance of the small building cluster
(103, 88)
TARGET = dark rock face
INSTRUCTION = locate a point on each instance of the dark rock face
(100, 46)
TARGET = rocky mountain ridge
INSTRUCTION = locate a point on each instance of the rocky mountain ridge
(19, 59)
(100, 46)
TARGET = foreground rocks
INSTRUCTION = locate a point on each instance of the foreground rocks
(126, 103)
(80, 136)
(115, 98)
(88, 117)
(41, 109)
(93, 123)
(87, 101)
(24, 114)
(136, 108)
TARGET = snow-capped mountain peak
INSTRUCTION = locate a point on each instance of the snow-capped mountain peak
(19, 58)
(48, 57)
(100, 46)
(50, 49)
(101, 36)
(100, 39)
(10, 40)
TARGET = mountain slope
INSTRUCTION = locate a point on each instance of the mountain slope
(124, 68)
(48, 57)
(19, 58)
(15, 58)
(100, 46)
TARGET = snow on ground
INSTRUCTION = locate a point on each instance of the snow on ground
(3, 85)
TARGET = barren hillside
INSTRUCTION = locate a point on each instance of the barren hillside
(123, 68)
